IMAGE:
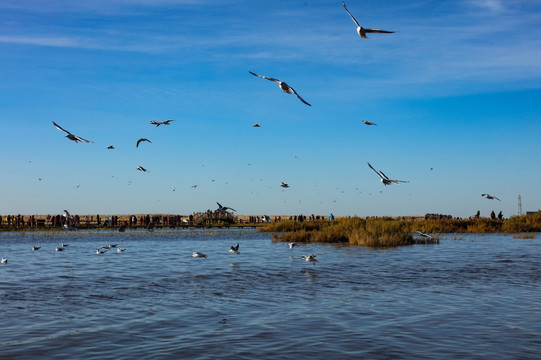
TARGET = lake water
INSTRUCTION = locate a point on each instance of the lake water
(478, 297)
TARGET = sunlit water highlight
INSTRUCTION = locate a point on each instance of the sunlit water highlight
(478, 297)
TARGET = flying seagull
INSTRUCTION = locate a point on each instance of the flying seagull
(362, 31)
(110, 147)
(384, 179)
(369, 122)
(234, 249)
(284, 185)
(425, 235)
(140, 168)
(292, 245)
(223, 209)
(256, 125)
(285, 87)
(158, 123)
(142, 139)
(70, 135)
(490, 197)
(311, 257)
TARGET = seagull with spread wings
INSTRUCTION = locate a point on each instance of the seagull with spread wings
(142, 139)
(158, 123)
(362, 31)
(384, 179)
(490, 197)
(140, 168)
(285, 87)
(366, 122)
(223, 209)
(70, 135)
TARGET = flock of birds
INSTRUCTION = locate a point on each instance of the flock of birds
(235, 250)
(362, 32)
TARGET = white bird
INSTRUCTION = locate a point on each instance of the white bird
(59, 249)
(140, 168)
(100, 251)
(66, 214)
(369, 122)
(4, 261)
(362, 31)
(234, 249)
(198, 255)
(422, 234)
(158, 123)
(223, 209)
(34, 248)
(384, 179)
(285, 87)
(292, 245)
(70, 135)
(311, 257)
(490, 197)
(142, 139)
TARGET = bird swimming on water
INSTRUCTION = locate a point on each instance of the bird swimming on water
(34, 248)
(362, 31)
(234, 249)
(4, 261)
(285, 87)
(198, 255)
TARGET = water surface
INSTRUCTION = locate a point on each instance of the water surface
(477, 297)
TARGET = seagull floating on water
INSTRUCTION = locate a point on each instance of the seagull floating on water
(362, 31)
(119, 250)
(158, 123)
(234, 249)
(384, 179)
(100, 251)
(369, 122)
(70, 135)
(59, 249)
(311, 257)
(34, 248)
(4, 261)
(142, 139)
(285, 87)
(198, 255)
(490, 197)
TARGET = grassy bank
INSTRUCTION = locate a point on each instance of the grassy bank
(393, 232)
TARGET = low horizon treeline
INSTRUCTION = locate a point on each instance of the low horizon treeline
(393, 232)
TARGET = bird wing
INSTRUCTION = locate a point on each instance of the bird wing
(60, 128)
(496, 198)
(265, 77)
(385, 176)
(378, 31)
(81, 139)
(377, 172)
(166, 122)
(154, 122)
(219, 205)
(352, 18)
(301, 99)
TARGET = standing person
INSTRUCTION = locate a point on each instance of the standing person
(492, 215)
(500, 216)
(98, 220)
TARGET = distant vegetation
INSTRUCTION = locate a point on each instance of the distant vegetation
(393, 232)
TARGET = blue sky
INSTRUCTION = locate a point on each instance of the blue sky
(456, 89)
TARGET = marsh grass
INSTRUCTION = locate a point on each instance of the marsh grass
(352, 231)
(525, 236)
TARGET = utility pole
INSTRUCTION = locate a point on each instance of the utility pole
(519, 205)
